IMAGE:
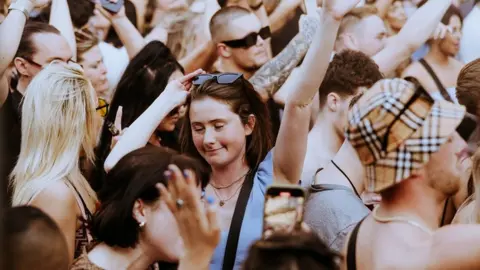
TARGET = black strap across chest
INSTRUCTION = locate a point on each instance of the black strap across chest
(237, 220)
(441, 88)
(352, 248)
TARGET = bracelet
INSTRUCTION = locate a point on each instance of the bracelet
(258, 6)
(25, 6)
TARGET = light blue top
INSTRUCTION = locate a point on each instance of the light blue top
(252, 220)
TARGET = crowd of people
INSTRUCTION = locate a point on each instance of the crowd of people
(146, 136)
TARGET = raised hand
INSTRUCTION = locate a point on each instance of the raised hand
(441, 31)
(40, 3)
(116, 128)
(199, 227)
(338, 8)
(178, 90)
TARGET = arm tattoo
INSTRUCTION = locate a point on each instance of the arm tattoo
(271, 76)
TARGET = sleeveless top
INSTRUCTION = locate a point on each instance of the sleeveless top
(447, 95)
(82, 235)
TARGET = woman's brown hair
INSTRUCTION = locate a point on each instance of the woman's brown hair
(244, 101)
(468, 87)
(298, 250)
(86, 40)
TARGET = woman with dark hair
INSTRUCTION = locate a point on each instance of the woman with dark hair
(300, 250)
(437, 72)
(143, 82)
(227, 128)
(134, 227)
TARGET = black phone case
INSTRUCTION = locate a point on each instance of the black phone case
(112, 7)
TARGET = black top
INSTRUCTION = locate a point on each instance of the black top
(281, 38)
(10, 114)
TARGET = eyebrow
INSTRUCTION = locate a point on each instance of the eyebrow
(211, 121)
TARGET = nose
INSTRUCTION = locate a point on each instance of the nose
(260, 41)
(209, 136)
(103, 69)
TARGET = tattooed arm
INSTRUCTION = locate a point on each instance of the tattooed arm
(271, 76)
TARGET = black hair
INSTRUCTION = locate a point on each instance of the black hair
(143, 81)
(134, 178)
(33, 240)
(299, 250)
(80, 12)
(131, 12)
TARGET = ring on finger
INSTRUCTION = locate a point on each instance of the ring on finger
(179, 203)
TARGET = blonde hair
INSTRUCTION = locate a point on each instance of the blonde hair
(85, 40)
(469, 211)
(58, 123)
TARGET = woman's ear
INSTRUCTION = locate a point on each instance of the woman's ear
(138, 212)
(250, 124)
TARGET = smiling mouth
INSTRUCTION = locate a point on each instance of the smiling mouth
(213, 150)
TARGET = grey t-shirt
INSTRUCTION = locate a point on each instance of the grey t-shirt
(332, 211)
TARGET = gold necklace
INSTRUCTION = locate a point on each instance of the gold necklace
(233, 183)
(223, 201)
(400, 219)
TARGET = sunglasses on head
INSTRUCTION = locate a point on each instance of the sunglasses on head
(222, 78)
(250, 40)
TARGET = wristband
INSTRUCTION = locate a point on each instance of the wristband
(25, 6)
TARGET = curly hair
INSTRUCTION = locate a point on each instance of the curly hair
(348, 71)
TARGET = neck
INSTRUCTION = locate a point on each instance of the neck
(414, 200)
(224, 176)
(436, 55)
(123, 258)
(331, 142)
(230, 66)
(22, 85)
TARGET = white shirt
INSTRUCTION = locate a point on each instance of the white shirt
(470, 42)
(116, 61)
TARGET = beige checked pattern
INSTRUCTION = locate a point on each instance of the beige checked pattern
(395, 128)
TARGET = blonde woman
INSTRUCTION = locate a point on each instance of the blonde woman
(58, 125)
(469, 211)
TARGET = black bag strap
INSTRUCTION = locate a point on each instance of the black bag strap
(352, 248)
(437, 81)
(236, 224)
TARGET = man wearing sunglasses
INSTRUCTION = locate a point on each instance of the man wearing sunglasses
(240, 41)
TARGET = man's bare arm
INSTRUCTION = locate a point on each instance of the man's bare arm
(271, 76)
(414, 34)
(60, 18)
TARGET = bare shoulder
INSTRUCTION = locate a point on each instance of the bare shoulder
(57, 198)
(413, 70)
(449, 247)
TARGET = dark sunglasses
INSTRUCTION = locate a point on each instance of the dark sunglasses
(250, 40)
(221, 78)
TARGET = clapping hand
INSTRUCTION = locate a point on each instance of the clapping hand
(441, 31)
(199, 227)
(338, 8)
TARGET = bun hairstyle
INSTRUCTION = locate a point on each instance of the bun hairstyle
(134, 178)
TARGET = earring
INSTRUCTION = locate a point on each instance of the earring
(142, 224)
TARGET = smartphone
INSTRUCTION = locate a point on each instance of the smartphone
(112, 7)
(283, 210)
